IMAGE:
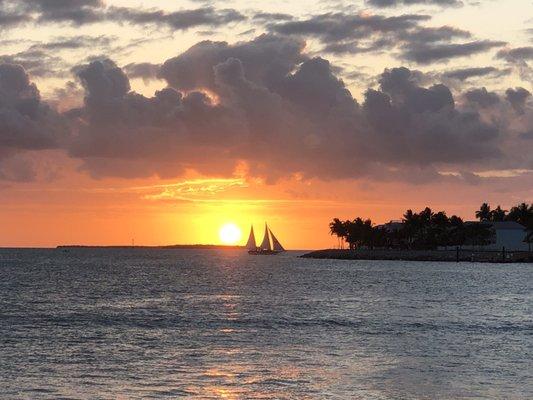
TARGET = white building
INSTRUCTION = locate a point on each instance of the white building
(508, 234)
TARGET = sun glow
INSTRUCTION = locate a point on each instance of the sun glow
(230, 233)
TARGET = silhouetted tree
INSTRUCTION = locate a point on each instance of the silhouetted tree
(457, 234)
(498, 215)
(358, 232)
(430, 230)
(478, 234)
(523, 214)
(338, 228)
(483, 214)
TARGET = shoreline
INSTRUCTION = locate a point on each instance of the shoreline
(484, 256)
(172, 246)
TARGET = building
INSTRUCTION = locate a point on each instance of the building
(508, 234)
(391, 226)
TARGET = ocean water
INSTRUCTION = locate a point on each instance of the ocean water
(210, 324)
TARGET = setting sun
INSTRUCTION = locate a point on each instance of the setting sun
(230, 234)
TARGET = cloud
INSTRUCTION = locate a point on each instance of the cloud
(17, 168)
(266, 59)
(433, 34)
(482, 97)
(81, 12)
(332, 27)
(119, 127)
(176, 20)
(9, 18)
(395, 3)
(357, 33)
(427, 53)
(517, 54)
(146, 71)
(464, 74)
(75, 42)
(43, 59)
(72, 11)
(517, 98)
(268, 105)
(519, 58)
(26, 123)
(423, 124)
(268, 17)
(38, 63)
(193, 190)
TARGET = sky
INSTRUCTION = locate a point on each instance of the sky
(160, 121)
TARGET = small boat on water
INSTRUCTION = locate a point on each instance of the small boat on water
(267, 246)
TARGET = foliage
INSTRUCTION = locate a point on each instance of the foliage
(429, 230)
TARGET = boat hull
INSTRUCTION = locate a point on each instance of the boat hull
(263, 252)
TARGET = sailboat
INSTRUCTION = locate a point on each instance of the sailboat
(267, 246)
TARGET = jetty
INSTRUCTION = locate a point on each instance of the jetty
(455, 255)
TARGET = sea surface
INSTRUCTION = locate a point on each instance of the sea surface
(221, 324)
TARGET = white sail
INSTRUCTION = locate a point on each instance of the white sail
(265, 244)
(250, 245)
(275, 243)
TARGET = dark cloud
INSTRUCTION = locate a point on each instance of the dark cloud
(424, 125)
(517, 98)
(427, 53)
(269, 17)
(482, 97)
(146, 71)
(72, 11)
(332, 27)
(38, 63)
(267, 59)
(26, 123)
(431, 35)
(357, 33)
(517, 54)
(176, 20)
(75, 42)
(463, 74)
(267, 104)
(80, 12)
(347, 47)
(395, 3)
(169, 130)
(9, 19)
(17, 168)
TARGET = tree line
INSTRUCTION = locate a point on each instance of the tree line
(429, 230)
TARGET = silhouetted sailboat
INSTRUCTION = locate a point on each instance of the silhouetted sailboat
(267, 246)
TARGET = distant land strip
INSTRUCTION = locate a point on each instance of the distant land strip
(172, 246)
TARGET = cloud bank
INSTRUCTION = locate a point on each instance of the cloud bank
(267, 108)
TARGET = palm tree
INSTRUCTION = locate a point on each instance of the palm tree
(523, 214)
(498, 215)
(478, 234)
(483, 214)
(411, 222)
(338, 228)
(457, 231)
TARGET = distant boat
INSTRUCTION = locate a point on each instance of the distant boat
(267, 246)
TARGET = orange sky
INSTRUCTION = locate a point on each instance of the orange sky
(75, 209)
(295, 156)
